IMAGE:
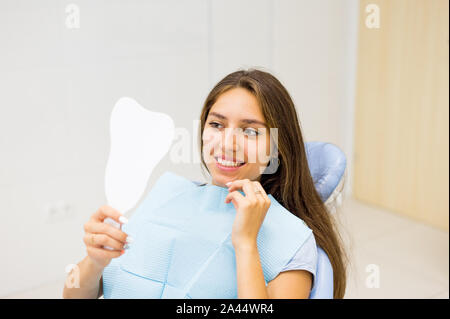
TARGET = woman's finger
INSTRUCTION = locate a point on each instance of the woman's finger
(100, 240)
(247, 186)
(257, 185)
(236, 196)
(103, 228)
(107, 211)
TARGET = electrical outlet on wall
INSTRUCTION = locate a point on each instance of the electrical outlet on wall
(58, 211)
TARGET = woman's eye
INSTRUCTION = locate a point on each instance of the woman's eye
(214, 124)
(252, 132)
(248, 131)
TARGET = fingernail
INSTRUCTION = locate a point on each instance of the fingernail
(122, 252)
(123, 219)
(228, 184)
(129, 240)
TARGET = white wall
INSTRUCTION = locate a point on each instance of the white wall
(58, 86)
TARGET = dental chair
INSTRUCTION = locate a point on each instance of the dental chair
(327, 164)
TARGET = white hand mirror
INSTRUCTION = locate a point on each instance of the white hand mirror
(139, 140)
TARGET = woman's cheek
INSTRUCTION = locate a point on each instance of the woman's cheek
(256, 151)
(207, 136)
(210, 144)
(259, 154)
(252, 153)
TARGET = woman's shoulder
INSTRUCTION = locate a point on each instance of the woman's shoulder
(308, 251)
(305, 258)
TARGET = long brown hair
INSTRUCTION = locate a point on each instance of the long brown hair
(291, 185)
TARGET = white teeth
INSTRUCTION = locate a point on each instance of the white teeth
(227, 163)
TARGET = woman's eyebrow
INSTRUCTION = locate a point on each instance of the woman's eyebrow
(248, 121)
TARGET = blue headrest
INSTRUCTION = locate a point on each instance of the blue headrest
(327, 166)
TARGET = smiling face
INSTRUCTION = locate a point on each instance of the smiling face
(236, 139)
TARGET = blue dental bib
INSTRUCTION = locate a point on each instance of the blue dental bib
(182, 244)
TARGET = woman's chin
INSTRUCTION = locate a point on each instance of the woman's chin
(220, 178)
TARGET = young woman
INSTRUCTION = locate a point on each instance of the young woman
(234, 131)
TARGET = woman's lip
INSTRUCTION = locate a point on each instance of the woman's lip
(228, 168)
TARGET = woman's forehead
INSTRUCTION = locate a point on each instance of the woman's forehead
(237, 104)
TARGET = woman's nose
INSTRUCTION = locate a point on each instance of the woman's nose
(232, 139)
